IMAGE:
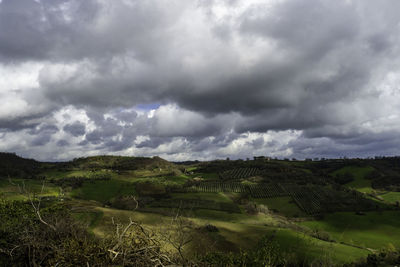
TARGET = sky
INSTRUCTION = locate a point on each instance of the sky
(200, 79)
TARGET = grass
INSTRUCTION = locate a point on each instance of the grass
(12, 192)
(55, 174)
(190, 169)
(215, 216)
(311, 248)
(90, 218)
(391, 197)
(243, 231)
(360, 183)
(237, 231)
(103, 190)
(217, 197)
(283, 205)
(176, 179)
(373, 230)
(205, 175)
(165, 180)
(105, 226)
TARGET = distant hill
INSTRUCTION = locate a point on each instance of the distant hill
(118, 163)
(15, 166)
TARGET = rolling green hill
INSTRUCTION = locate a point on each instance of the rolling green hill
(303, 208)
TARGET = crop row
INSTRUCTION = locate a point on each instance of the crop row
(257, 190)
(239, 173)
(311, 199)
(215, 187)
(266, 190)
(306, 198)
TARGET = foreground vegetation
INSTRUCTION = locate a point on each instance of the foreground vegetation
(126, 211)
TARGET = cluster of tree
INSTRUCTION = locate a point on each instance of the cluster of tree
(390, 182)
(343, 178)
(77, 181)
(119, 163)
(15, 166)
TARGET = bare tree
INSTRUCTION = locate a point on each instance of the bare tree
(178, 233)
(133, 244)
(34, 199)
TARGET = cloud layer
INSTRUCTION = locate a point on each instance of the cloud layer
(199, 79)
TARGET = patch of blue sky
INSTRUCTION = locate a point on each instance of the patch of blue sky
(148, 106)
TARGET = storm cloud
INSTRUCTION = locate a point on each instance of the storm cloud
(199, 79)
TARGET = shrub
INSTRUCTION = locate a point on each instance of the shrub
(211, 228)
(322, 235)
(265, 253)
(26, 241)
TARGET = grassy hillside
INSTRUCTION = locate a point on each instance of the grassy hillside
(103, 191)
(371, 230)
(282, 205)
(359, 173)
(301, 207)
(391, 197)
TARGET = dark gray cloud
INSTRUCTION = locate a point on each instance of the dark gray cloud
(44, 129)
(154, 142)
(301, 77)
(62, 143)
(46, 29)
(41, 140)
(76, 129)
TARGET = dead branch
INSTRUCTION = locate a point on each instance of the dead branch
(32, 197)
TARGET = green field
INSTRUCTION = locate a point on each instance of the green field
(242, 230)
(217, 197)
(391, 197)
(360, 183)
(11, 190)
(56, 174)
(239, 231)
(313, 248)
(372, 230)
(176, 179)
(282, 205)
(103, 190)
(204, 175)
(100, 197)
(89, 217)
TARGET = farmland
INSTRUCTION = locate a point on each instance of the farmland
(309, 210)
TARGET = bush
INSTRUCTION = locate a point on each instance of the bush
(26, 241)
(211, 228)
(251, 208)
(125, 203)
(322, 235)
(265, 253)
